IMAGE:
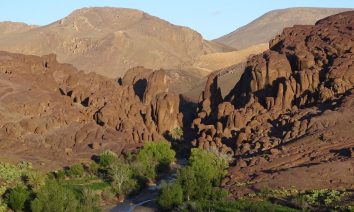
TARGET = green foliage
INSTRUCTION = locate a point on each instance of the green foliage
(153, 156)
(121, 177)
(36, 180)
(208, 165)
(241, 205)
(76, 170)
(60, 174)
(12, 174)
(171, 195)
(17, 198)
(200, 180)
(54, 197)
(107, 194)
(3, 206)
(176, 134)
(89, 201)
(107, 158)
(322, 197)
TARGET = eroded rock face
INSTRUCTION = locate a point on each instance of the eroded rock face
(298, 88)
(52, 111)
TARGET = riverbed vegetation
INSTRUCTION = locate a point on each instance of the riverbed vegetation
(82, 187)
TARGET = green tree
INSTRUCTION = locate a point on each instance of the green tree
(17, 198)
(107, 158)
(171, 195)
(54, 197)
(154, 156)
(208, 165)
(121, 176)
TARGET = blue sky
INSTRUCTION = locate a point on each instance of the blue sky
(212, 18)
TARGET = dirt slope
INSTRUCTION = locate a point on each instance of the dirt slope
(272, 23)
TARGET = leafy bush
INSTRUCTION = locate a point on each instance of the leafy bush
(107, 158)
(60, 174)
(200, 180)
(76, 170)
(17, 198)
(171, 195)
(154, 156)
(121, 177)
(36, 180)
(89, 201)
(54, 197)
(3, 206)
(11, 174)
(208, 165)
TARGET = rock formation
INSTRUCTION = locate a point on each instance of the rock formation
(53, 111)
(293, 99)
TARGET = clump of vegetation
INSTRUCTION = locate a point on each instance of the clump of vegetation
(171, 195)
(54, 197)
(121, 178)
(75, 171)
(17, 197)
(153, 157)
(322, 197)
(176, 134)
(107, 158)
(200, 180)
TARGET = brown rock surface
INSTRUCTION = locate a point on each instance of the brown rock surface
(52, 113)
(290, 117)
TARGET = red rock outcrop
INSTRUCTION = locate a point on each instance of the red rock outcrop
(301, 87)
(51, 111)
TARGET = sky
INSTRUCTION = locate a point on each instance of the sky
(212, 18)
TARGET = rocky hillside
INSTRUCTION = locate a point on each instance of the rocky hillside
(291, 113)
(272, 23)
(53, 114)
(109, 41)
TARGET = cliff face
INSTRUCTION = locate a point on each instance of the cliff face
(287, 101)
(53, 112)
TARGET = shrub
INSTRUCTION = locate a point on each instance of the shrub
(107, 194)
(107, 158)
(171, 195)
(176, 134)
(17, 198)
(60, 174)
(36, 180)
(201, 178)
(94, 168)
(76, 170)
(54, 197)
(154, 156)
(89, 201)
(3, 206)
(121, 177)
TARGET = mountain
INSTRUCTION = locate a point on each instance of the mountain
(272, 23)
(288, 122)
(109, 41)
